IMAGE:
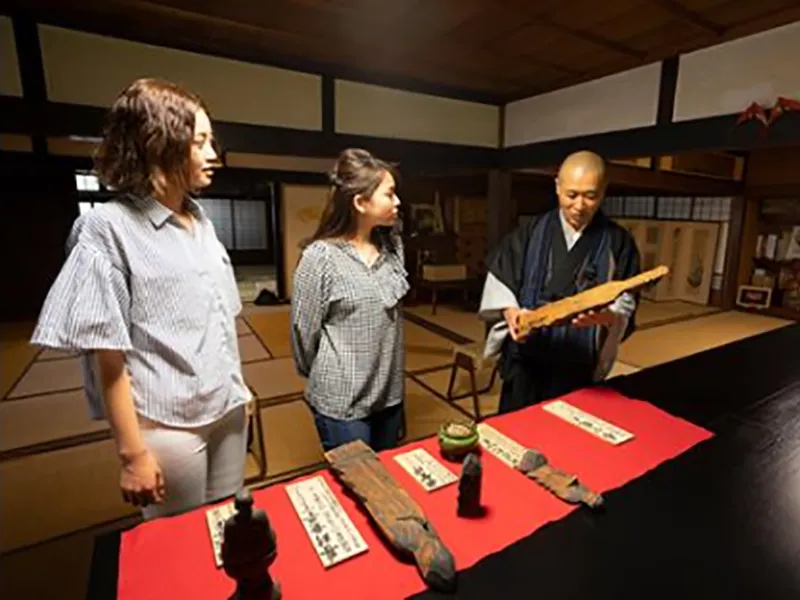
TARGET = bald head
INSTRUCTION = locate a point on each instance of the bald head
(581, 163)
(580, 185)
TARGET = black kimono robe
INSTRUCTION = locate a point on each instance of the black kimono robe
(540, 262)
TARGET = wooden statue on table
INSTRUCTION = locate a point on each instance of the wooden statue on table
(398, 517)
(469, 487)
(248, 549)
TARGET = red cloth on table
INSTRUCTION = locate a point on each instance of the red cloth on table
(173, 558)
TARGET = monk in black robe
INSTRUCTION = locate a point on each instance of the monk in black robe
(558, 254)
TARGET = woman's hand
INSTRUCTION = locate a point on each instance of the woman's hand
(141, 480)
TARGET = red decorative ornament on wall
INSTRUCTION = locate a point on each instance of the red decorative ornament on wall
(767, 115)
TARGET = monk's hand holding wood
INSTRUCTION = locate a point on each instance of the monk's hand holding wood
(604, 318)
(511, 316)
(622, 308)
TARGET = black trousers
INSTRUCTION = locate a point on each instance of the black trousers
(526, 384)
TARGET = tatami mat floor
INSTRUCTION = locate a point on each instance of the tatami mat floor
(650, 314)
(58, 472)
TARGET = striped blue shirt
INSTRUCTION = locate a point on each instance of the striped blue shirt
(136, 280)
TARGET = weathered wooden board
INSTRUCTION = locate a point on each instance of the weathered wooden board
(596, 298)
(398, 517)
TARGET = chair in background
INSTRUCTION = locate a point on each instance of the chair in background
(469, 357)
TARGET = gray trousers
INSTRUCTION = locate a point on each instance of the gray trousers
(200, 465)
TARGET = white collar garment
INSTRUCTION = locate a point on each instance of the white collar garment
(571, 236)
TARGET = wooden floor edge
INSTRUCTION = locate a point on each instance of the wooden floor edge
(54, 445)
(678, 319)
(436, 328)
(94, 529)
(22, 374)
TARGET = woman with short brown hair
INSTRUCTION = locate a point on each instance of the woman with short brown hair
(347, 335)
(148, 297)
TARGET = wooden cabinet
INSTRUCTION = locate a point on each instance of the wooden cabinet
(469, 222)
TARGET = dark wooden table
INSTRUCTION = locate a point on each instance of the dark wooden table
(721, 519)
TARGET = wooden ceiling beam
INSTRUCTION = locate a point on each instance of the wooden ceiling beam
(665, 181)
(597, 40)
(689, 16)
(452, 66)
(531, 59)
(527, 90)
(544, 64)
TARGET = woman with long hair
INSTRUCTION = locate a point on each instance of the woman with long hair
(347, 336)
(147, 295)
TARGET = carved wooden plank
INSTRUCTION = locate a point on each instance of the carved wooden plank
(560, 483)
(398, 517)
(596, 298)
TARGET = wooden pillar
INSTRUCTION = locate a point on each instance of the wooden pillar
(501, 213)
(31, 70)
(747, 240)
(40, 204)
(733, 253)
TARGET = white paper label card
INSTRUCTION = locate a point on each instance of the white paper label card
(425, 469)
(588, 422)
(333, 535)
(501, 446)
(215, 518)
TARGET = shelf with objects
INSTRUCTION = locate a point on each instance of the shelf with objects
(769, 274)
(445, 236)
(774, 285)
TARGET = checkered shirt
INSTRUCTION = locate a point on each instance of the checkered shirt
(347, 329)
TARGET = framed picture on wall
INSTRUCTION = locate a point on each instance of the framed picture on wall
(751, 296)
(427, 218)
(793, 247)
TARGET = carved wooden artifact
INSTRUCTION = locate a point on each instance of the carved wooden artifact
(596, 298)
(469, 487)
(248, 549)
(397, 516)
(567, 487)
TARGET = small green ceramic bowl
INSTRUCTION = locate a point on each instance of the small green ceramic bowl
(457, 439)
